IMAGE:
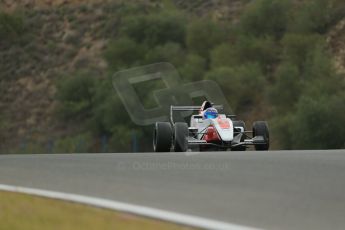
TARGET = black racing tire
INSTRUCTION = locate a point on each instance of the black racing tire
(243, 125)
(180, 141)
(162, 137)
(260, 128)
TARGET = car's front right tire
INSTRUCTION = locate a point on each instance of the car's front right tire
(260, 128)
(162, 137)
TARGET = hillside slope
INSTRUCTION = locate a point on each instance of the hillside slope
(61, 38)
(57, 42)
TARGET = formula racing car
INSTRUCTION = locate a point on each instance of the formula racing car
(208, 131)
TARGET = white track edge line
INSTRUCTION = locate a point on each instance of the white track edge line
(173, 217)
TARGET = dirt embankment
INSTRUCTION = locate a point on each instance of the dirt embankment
(336, 42)
(14, 4)
(57, 41)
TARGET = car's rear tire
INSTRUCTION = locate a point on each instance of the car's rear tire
(180, 137)
(243, 125)
(260, 128)
(162, 137)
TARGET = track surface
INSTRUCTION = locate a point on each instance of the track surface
(270, 190)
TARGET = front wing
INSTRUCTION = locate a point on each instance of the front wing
(257, 140)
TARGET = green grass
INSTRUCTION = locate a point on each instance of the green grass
(19, 211)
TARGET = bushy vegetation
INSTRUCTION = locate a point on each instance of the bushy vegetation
(273, 62)
(76, 96)
(276, 55)
(11, 26)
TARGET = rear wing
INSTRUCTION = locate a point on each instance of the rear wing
(188, 108)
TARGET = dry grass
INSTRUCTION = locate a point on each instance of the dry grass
(18, 211)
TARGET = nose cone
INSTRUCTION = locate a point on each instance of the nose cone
(211, 134)
(224, 128)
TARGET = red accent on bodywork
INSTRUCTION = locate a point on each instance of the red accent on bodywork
(223, 123)
(211, 134)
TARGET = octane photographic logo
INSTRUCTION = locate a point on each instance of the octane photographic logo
(174, 93)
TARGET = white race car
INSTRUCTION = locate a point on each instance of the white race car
(208, 131)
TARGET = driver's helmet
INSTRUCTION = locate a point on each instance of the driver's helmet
(210, 113)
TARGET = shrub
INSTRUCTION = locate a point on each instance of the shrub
(81, 143)
(105, 112)
(316, 16)
(224, 54)
(121, 139)
(265, 17)
(194, 68)
(298, 47)
(281, 129)
(262, 50)
(203, 35)
(318, 123)
(11, 26)
(155, 29)
(124, 52)
(243, 85)
(309, 103)
(287, 88)
(75, 94)
(247, 49)
(169, 52)
(320, 77)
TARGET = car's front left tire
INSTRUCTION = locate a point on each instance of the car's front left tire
(180, 137)
(162, 137)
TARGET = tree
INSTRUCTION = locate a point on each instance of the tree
(265, 17)
(319, 122)
(316, 16)
(124, 52)
(75, 94)
(298, 47)
(287, 88)
(155, 29)
(242, 85)
(203, 35)
(11, 26)
(225, 54)
(320, 75)
(262, 50)
(247, 49)
(169, 52)
(194, 68)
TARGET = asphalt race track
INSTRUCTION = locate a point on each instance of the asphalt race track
(270, 190)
